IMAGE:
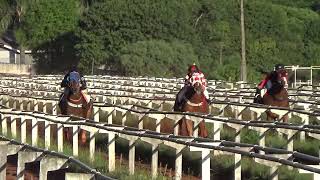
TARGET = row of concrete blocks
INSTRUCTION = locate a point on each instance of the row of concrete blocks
(104, 98)
(238, 110)
(146, 90)
(163, 82)
(47, 162)
(304, 104)
(124, 84)
(217, 125)
(102, 92)
(171, 90)
(97, 92)
(205, 153)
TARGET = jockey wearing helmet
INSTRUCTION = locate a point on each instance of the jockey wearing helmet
(70, 75)
(279, 76)
(194, 74)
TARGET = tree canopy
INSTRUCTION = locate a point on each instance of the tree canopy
(126, 35)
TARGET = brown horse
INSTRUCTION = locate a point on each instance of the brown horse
(278, 98)
(197, 103)
(79, 105)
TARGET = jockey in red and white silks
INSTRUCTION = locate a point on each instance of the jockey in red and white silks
(194, 75)
(199, 77)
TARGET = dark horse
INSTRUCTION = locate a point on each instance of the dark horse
(197, 103)
(276, 96)
(78, 104)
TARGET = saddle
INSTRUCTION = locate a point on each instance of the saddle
(276, 87)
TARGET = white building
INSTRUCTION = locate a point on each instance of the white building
(11, 55)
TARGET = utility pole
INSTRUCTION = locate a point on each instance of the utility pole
(243, 64)
(92, 67)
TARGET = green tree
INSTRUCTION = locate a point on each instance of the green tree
(108, 26)
(47, 28)
(157, 58)
(12, 13)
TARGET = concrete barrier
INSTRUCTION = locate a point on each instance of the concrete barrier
(15, 69)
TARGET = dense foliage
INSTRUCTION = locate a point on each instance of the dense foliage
(162, 37)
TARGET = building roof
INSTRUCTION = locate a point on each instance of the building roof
(8, 44)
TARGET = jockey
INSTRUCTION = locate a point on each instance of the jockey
(279, 75)
(73, 72)
(194, 75)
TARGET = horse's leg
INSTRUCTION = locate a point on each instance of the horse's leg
(189, 125)
(183, 127)
(66, 133)
(203, 132)
(83, 137)
(87, 115)
(285, 118)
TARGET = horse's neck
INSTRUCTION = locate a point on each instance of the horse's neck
(197, 98)
(75, 97)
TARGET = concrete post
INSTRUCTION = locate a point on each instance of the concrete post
(23, 129)
(96, 113)
(178, 163)
(54, 108)
(50, 164)
(132, 151)
(262, 140)
(140, 121)
(47, 131)
(237, 167)
(176, 127)
(25, 157)
(60, 137)
(7, 104)
(45, 107)
(110, 117)
(28, 105)
(78, 176)
(305, 120)
(36, 105)
(154, 161)
(75, 138)
(92, 145)
(14, 105)
(216, 130)
(274, 172)
(252, 115)
(4, 125)
(111, 151)
(3, 160)
(13, 126)
(290, 140)
(205, 168)
(34, 127)
(21, 105)
(158, 123)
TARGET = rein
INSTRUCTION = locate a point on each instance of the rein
(75, 100)
(194, 104)
(74, 105)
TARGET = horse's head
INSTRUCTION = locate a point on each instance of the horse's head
(198, 88)
(74, 82)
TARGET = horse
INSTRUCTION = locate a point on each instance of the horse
(276, 96)
(197, 103)
(78, 104)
